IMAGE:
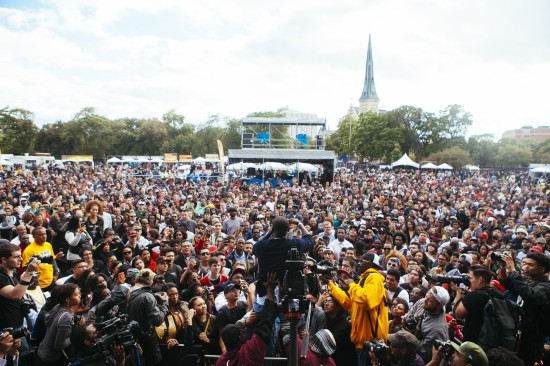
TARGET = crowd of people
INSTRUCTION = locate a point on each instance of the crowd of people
(400, 268)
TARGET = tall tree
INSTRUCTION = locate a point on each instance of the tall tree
(18, 132)
(374, 138)
(339, 140)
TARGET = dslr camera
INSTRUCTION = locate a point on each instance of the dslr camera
(120, 330)
(16, 333)
(447, 348)
(456, 279)
(378, 348)
(47, 260)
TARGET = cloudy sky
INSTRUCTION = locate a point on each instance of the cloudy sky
(141, 58)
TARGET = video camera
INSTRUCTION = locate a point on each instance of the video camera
(324, 270)
(448, 279)
(16, 333)
(120, 330)
(294, 282)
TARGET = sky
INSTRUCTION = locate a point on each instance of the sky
(142, 58)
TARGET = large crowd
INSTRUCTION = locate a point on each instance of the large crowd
(138, 265)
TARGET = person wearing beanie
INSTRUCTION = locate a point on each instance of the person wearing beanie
(321, 346)
(433, 324)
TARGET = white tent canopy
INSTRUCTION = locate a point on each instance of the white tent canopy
(303, 166)
(471, 167)
(113, 160)
(405, 161)
(271, 165)
(199, 160)
(445, 166)
(241, 166)
(5, 162)
(429, 166)
(541, 169)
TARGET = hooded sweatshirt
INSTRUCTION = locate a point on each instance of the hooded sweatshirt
(59, 323)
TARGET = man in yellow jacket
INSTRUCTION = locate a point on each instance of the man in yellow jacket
(366, 301)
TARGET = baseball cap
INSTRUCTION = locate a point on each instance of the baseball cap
(473, 353)
(373, 258)
(521, 230)
(132, 233)
(238, 271)
(440, 294)
(231, 287)
(468, 258)
(132, 272)
(403, 339)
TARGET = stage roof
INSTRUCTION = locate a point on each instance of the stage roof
(249, 121)
(281, 155)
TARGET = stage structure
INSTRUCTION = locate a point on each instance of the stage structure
(284, 140)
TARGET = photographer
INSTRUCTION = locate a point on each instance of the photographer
(452, 354)
(533, 291)
(433, 324)
(401, 352)
(367, 304)
(271, 251)
(82, 340)
(149, 311)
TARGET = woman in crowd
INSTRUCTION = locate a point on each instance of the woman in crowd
(59, 323)
(94, 222)
(172, 331)
(201, 327)
(77, 237)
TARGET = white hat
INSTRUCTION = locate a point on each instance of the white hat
(440, 294)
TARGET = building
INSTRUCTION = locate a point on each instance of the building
(368, 101)
(537, 134)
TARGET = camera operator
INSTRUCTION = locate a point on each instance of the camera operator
(366, 301)
(272, 249)
(82, 340)
(471, 306)
(401, 352)
(9, 354)
(533, 291)
(12, 291)
(452, 354)
(149, 311)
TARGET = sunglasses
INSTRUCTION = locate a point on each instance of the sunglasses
(393, 264)
(204, 254)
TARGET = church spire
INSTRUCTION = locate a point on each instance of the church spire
(369, 99)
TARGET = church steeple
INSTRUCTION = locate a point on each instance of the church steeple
(368, 102)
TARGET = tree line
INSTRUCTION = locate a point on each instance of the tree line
(383, 137)
(426, 136)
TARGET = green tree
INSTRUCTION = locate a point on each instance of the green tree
(374, 138)
(18, 132)
(512, 154)
(339, 140)
(455, 156)
(151, 136)
(541, 154)
(231, 134)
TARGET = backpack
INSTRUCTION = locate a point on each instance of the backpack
(501, 324)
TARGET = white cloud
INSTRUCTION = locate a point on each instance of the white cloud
(138, 59)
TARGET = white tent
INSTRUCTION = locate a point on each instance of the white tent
(199, 160)
(405, 161)
(303, 166)
(114, 160)
(471, 167)
(241, 166)
(445, 166)
(429, 166)
(271, 165)
(540, 169)
(5, 162)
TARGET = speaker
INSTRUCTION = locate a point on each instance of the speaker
(247, 140)
(319, 142)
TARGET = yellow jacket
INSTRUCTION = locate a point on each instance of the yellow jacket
(370, 298)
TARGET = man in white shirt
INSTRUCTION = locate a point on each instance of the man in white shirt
(339, 243)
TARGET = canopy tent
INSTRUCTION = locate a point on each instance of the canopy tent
(5, 162)
(114, 160)
(541, 169)
(471, 167)
(303, 166)
(241, 166)
(405, 161)
(272, 165)
(445, 166)
(184, 167)
(199, 160)
(429, 166)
